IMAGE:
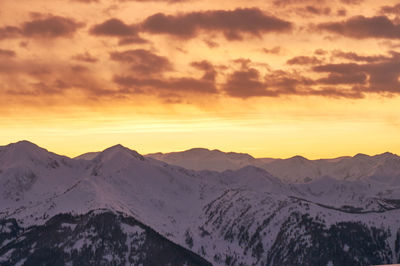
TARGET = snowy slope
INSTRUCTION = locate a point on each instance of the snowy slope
(97, 238)
(384, 167)
(30, 175)
(204, 159)
(87, 156)
(249, 215)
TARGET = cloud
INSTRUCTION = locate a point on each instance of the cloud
(358, 58)
(352, 2)
(86, 1)
(143, 61)
(284, 3)
(45, 80)
(233, 24)
(376, 77)
(347, 78)
(333, 92)
(317, 10)
(113, 27)
(274, 50)
(391, 9)
(43, 27)
(304, 60)
(248, 82)
(291, 83)
(51, 27)
(127, 34)
(361, 27)
(167, 1)
(158, 85)
(341, 68)
(209, 71)
(132, 40)
(9, 32)
(320, 52)
(7, 53)
(161, 85)
(341, 12)
(85, 57)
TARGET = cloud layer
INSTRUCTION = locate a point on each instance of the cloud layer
(181, 51)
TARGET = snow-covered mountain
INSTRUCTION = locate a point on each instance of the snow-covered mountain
(204, 159)
(346, 213)
(96, 238)
(385, 167)
(87, 156)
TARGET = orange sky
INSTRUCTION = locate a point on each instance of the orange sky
(272, 78)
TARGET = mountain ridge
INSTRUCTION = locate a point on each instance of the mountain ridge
(233, 217)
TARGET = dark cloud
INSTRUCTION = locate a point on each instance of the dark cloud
(127, 34)
(114, 27)
(288, 82)
(342, 68)
(341, 12)
(7, 53)
(391, 9)
(361, 27)
(42, 27)
(48, 79)
(233, 24)
(85, 57)
(161, 85)
(51, 81)
(50, 27)
(248, 82)
(284, 3)
(158, 85)
(333, 92)
(352, 2)
(378, 77)
(86, 1)
(9, 32)
(132, 40)
(304, 60)
(79, 68)
(209, 71)
(274, 50)
(346, 78)
(143, 61)
(210, 43)
(358, 58)
(317, 10)
(167, 1)
(320, 52)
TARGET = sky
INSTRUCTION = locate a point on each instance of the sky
(272, 78)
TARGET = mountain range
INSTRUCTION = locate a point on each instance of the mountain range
(197, 207)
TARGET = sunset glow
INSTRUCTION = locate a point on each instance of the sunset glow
(270, 78)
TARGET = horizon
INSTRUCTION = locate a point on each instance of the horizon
(208, 149)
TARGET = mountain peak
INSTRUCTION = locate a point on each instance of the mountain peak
(119, 151)
(386, 155)
(117, 147)
(24, 144)
(197, 150)
(23, 148)
(361, 156)
(25, 153)
(298, 158)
